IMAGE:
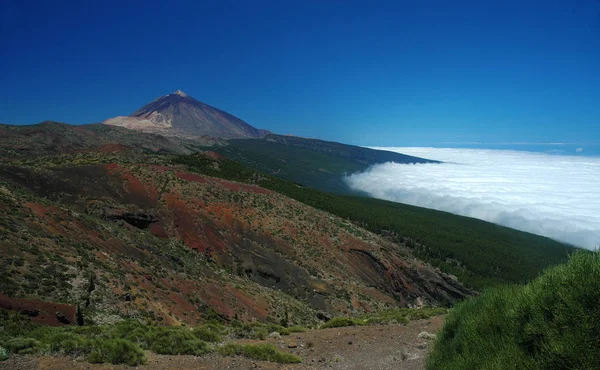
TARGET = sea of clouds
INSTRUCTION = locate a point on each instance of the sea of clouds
(557, 196)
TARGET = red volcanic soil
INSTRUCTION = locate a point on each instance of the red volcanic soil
(160, 169)
(157, 229)
(38, 209)
(40, 312)
(192, 177)
(234, 186)
(113, 148)
(213, 155)
(135, 187)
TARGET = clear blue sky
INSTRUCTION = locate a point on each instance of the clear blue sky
(363, 72)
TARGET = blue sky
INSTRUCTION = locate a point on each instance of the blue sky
(365, 72)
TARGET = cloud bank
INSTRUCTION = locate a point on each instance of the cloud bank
(551, 195)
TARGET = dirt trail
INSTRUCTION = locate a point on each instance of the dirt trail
(367, 347)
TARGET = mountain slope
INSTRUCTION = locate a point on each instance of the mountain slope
(182, 115)
(160, 242)
(480, 253)
(48, 138)
(315, 163)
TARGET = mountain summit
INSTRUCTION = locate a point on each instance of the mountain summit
(179, 114)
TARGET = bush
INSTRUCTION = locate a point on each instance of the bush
(3, 354)
(292, 329)
(208, 333)
(551, 323)
(95, 357)
(23, 346)
(338, 322)
(174, 341)
(68, 343)
(265, 352)
(117, 351)
(402, 315)
(133, 331)
(253, 330)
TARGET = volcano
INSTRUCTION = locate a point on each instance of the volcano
(179, 114)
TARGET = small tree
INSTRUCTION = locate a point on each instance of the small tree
(79, 316)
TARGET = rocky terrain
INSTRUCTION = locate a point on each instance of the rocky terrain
(126, 234)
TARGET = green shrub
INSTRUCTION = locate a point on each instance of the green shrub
(3, 354)
(117, 351)
(292, 329)
(254, 330)
(176, 341)
(207, 333)
(133, 331)
(23, 346)
(551, 323)
(68, 343)
(95, 357)
(338, 322)
(265, 352)
(258, 330)
(14, 325)
(402, 315)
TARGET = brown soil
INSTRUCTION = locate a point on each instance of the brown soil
(46, 313)
(368, 347)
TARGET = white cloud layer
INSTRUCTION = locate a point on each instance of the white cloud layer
(551, 195)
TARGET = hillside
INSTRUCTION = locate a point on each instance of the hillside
(156, 241)
(126, 239)
(315, 163)
(479, 253)
(49, 137)
(179, 114)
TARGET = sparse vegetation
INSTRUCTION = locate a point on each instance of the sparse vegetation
(550, 323)
(402, 315)
(259, 330)
(126, 341)
(265, 352)
(390, 316)
(176, 341)
(123, 342)
(117, 351)
(292, 329)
